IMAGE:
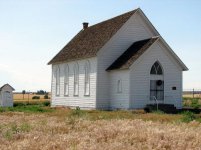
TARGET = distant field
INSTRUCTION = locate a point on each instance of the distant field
(26, 97)
(191, 95)
(19, 97)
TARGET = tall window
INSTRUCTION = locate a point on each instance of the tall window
(156, 69)
(119, 86)
(156, 84)
(57, 81)
(76, 79)
(66, 81)
(87, 78)
(156, 90)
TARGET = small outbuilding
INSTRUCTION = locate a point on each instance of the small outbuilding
(6, 96)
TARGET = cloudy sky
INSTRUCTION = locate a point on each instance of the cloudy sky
(33, 31)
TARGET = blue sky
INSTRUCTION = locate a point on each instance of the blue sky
(33, 31)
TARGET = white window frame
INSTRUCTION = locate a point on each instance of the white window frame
(87, 79)
(76, 79)
(119, 86)
(66, 80)
(57, 77)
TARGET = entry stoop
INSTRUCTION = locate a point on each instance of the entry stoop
(167, 108)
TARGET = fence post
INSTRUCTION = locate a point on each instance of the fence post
(28, 97)
(193, 93)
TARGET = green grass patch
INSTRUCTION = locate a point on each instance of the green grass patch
(188, 116)
(192, 102)
(195, 103)
(27, 108)
(94, 115)
(25, 103)
(77, 112)
(158, 112)
(72, 115)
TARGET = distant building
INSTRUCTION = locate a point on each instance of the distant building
(6, 96)
(122, 62)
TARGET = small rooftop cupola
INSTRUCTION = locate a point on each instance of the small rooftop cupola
(85, 25)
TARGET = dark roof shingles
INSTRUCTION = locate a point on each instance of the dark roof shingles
(132, 54)
(89, 41)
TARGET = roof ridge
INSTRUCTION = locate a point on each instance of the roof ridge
(132, 11)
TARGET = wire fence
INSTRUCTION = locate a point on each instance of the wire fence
(193, 93)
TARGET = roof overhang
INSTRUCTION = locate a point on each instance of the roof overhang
(174, 55)
(7, 85)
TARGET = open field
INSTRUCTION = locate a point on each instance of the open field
(19, 97)
(39, 127)
(191, 95)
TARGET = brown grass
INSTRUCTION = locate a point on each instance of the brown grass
(67, 129)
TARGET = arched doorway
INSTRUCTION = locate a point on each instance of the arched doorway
(156, 82)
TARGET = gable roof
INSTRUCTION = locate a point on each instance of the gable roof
(89, 41)
(132, 54)
(6, 85)
(137, 49)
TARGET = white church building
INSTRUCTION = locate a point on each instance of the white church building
(120, 63)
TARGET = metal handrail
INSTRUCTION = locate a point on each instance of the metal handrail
(156, 102)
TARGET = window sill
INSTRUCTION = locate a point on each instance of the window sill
(87, 95)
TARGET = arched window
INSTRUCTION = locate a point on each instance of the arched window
(156, 82)
(76, 79)
(57, 81)
(66, 81)
(87, 78)
(119, 86)
(156, 69)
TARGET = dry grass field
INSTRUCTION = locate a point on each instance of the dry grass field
(38, 127)
(46, 128)
(191, 95)
(19, 97)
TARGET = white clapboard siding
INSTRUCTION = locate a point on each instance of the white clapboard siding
(134, 29)
(140, 76)
(119, 99)
(88, 102)
(135, 80)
